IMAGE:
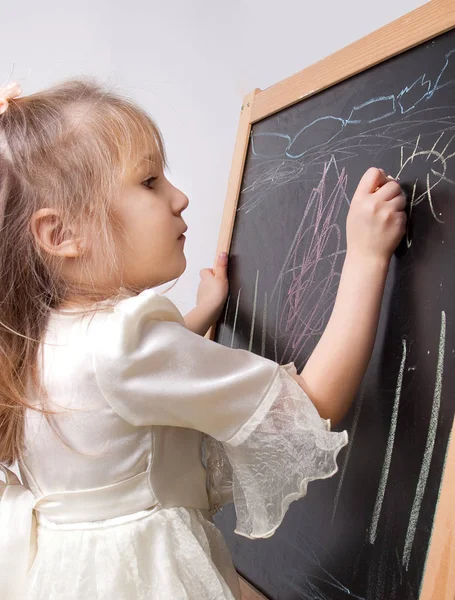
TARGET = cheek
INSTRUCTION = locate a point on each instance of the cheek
(149, 231)
(153, 234)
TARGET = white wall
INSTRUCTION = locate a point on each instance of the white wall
(190, 64)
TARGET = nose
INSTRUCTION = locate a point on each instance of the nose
(181, 202)
(186, 201)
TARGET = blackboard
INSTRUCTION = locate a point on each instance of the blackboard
(365, 533)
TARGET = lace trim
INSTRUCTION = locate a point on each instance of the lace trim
(219, 474)
(268, 464)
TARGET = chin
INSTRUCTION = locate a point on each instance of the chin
(174, 273)
(178, 270)
(182, 269)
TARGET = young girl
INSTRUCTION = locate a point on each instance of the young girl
(129, 427)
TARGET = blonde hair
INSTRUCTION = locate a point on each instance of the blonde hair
(67, 147)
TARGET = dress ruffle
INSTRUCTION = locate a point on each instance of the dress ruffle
(269, 462)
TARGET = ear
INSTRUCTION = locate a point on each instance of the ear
(52, 236)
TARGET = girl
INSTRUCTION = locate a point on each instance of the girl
(129, 427)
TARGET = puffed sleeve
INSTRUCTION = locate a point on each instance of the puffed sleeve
(257, 419)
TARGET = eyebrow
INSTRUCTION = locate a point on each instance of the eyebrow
(148, 161)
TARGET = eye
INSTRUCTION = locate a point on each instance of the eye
(149, 182)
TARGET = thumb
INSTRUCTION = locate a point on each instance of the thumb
(221, 265)
(371, 180)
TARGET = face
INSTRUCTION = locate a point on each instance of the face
(149, 210)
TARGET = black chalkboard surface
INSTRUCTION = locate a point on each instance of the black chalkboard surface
(363, 534)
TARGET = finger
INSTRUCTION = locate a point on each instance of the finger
(389, 190)
(221, 265)
(401, 220)
(389, 177)
(371, 180)
(205, 272)
(398, 203)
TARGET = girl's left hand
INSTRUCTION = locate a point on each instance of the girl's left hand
(213, 288)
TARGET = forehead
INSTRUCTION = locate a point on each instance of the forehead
(145, 164)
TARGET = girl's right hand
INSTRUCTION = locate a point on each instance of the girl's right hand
(376, 221)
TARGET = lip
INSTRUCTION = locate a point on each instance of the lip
(182, 236)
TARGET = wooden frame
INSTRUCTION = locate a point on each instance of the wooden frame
(249, 592)
(420, 25)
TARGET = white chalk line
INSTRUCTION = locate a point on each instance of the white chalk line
(428, 453)
(389, 450)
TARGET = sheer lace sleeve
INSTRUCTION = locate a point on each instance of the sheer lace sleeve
(269, 462)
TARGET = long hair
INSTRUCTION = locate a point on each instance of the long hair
(68, 148)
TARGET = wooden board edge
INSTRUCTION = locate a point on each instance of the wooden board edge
(248, 591)
(439, 574)
(234, 182)
(423, 23)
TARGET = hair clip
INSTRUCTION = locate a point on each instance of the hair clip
(7, 93)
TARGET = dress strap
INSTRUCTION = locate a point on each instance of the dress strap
(17, 535)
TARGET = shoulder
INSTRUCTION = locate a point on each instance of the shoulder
(122, 326)
(148, 305)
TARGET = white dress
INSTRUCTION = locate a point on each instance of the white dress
(156, 428)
